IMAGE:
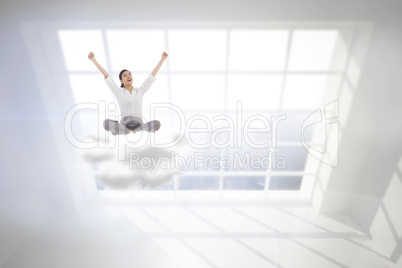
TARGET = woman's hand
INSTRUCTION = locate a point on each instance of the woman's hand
(164, 55)
(91, 56)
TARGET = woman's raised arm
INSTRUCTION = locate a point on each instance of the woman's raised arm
(91, 57)
(163, 58)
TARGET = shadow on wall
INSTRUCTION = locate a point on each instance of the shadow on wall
(386, 228)
(350, 54)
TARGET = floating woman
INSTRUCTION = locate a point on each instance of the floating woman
(129, 99)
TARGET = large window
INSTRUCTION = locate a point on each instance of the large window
(267, 72)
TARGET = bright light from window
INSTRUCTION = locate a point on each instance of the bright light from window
(295, 158)
(139, 50)
(157, 93)
(90, 88)
(290, 129)
(304, 92)
(76, 46)
(254, 91)
(312, 50)
(257, 50)
(197, 50)
(198, 92)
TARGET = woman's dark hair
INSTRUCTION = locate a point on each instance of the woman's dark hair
(121, 76)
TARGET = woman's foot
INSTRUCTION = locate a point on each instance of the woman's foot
(152, 126)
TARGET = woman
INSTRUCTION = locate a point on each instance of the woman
(129, 99)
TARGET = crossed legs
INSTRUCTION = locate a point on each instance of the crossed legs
(130, 123)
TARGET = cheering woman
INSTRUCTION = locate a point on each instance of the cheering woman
(129, 99)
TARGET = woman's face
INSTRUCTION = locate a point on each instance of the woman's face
(126, 78)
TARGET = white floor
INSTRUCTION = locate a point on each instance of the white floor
(197, 236)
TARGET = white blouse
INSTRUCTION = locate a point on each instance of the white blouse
(130, 103)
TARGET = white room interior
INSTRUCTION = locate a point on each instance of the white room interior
(339, 205)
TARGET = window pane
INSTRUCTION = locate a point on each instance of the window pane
(136, 50)
(254, 91)
(290, 158)
(90, 88)
(168, 186)
(290, 129)
(257, 50)
(257, 129)
(197, 50)
(76, 45)
(244, 183)
(248, 159)
(157, 93)
(287, 183)
(198, 183)
(198, 92)
(201, 160)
